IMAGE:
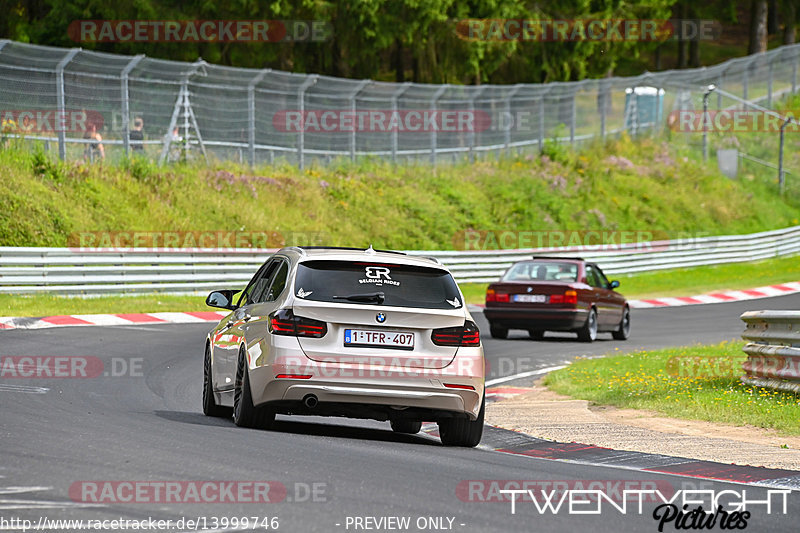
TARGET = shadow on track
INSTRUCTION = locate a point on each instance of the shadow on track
(304, 428)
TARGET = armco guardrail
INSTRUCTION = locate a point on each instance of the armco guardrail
(773, 353)
(104, 271)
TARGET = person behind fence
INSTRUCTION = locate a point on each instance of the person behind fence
(94, 149)
(136, 135)
(175, 141)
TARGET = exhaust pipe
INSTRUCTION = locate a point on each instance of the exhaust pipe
(310, 401)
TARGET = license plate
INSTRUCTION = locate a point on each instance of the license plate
(379, 339)
(530, 298)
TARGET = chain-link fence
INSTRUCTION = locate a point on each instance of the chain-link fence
(196, 110)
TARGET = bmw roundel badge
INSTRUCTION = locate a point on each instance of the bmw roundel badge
(381, 318)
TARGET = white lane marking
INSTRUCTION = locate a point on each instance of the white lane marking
(20, 490)
(24, 388)
(103, 320)
(497, 381)
(177, 318)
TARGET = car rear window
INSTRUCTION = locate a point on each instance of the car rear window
(401, 285)
(543, 271)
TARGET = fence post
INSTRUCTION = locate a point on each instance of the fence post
(745, 79)
(434, 99)
(573, 112)
(541, 122)
(769, 85)
(301, 97)
(352, 97)
(604, 94)
(396, 96)
(514, 91)
(794, 73)
(62, 139)
(126, 111)
(780, 158)
(251, 115)
(709, 90)
(471, 133)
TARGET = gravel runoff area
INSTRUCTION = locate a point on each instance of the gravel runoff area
(547, 415)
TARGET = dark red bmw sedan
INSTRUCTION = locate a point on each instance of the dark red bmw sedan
(557, 294)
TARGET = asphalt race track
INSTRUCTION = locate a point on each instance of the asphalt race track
(57, 434)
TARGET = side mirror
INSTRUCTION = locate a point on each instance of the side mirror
(221, 299)
(614, 284)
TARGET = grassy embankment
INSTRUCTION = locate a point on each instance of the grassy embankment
(697, 382)
(620, 185)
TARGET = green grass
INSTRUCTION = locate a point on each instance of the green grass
(48, 305)
(406, 207)
(698, 382)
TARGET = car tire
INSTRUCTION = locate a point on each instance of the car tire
(245, 414)
(536, 334)
(497, 332)
(588, 331)
(406, 426)
(624, 330)
(210, 407)
(462, 431)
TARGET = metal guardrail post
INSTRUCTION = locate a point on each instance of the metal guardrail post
(251, 115)
(60, 97)
(434, 99)
(126, 111)
(352, 97)
(514, 90)
(395, 133)
(301, 100)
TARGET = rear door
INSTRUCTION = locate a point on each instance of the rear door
(609, 311)
(378, 313)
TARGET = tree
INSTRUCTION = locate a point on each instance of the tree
(758, 27)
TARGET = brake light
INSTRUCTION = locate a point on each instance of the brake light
(293, 376)
(466, 335)
(569, 297)
(284, 322)
(494, 296)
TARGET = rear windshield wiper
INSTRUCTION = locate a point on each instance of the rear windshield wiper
(377, 297)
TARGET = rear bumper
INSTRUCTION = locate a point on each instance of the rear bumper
(331, 383)
(542, 319)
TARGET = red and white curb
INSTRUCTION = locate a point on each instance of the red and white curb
(124, 319)
(720, 297)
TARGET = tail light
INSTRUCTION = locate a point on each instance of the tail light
(494, 296)
(569, 297)
(284, 322)
(466, 335)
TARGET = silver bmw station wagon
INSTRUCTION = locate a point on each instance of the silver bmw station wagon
(348, 332)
